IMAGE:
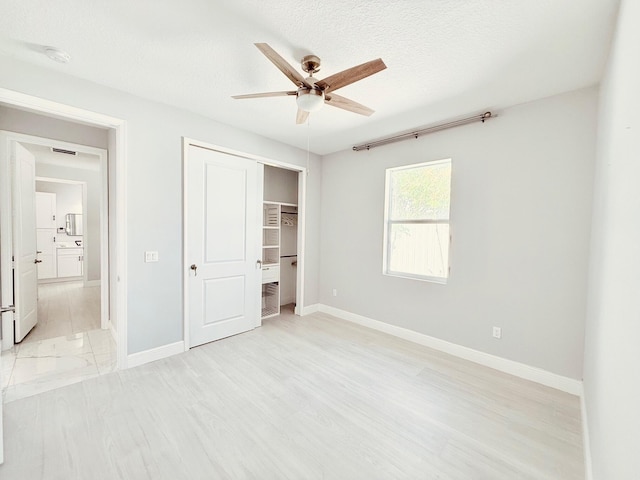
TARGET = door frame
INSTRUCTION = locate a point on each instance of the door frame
(302, 185)
(117, 279)
(101, 153)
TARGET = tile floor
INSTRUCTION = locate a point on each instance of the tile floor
(67, 345)
(65, 308)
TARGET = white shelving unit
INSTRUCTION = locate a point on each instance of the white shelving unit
(272, 220)
(270, 259)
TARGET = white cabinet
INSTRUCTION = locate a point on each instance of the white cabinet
(46, 235)
(70, 261)
(45, 210)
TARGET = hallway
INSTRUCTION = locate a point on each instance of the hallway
(65, 308)
(65, 347)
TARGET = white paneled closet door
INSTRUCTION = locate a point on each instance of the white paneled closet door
(222, 245)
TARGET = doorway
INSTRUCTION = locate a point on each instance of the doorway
(63, 206)
(280, 241)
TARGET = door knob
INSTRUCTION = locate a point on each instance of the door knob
(37, 261)
(194, 267)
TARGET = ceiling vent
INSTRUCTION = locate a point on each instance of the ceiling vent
(62, 150)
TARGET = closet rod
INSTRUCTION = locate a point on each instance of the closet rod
(287, 256)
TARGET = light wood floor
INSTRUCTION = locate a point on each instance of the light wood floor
(65, 308)
(299, 398)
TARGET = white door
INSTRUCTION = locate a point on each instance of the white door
(222, 245)
(24, 241)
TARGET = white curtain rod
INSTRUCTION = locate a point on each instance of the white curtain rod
(436, 128)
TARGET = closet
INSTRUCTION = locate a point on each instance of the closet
(279, 240)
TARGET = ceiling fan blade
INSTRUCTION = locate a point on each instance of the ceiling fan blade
(346, 104)
(282, 64)
(302, 116)
(266, 94)
(351, 75)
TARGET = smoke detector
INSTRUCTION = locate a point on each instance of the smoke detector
(57, 55)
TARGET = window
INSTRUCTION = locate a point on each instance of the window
(416, 237)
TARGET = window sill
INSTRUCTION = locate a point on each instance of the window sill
(408, 276)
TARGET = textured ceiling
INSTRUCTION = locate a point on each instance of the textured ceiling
(445, 58)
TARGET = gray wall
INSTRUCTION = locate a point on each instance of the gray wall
(280, 185)
(21, 121)
(154, 191)
(520, 220)
(612, 346)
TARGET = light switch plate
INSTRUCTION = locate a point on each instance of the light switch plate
(150, 257)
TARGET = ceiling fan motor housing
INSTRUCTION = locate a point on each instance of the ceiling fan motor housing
(310, 64)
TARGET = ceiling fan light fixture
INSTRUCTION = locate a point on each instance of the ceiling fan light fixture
(310, 99)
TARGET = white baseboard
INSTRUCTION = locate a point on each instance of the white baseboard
(43, 281)
(158, 353)
(309, 309)
(511, 367)
(588, 467)
(92, 283)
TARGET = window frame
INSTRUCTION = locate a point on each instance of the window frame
(386, 254)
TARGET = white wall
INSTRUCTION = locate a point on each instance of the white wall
(612, 346)
(520, 220)
(154, 190)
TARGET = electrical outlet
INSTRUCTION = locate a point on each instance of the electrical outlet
(150, 257)
(497, 332)
(335, 292)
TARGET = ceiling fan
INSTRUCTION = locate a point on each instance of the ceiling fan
(312, 93)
